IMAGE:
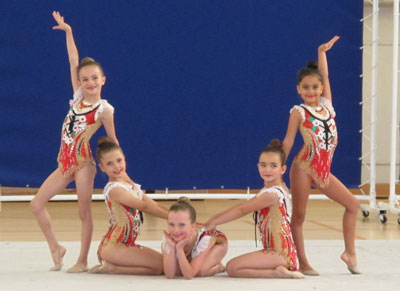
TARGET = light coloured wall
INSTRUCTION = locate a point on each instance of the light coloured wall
(384, 90)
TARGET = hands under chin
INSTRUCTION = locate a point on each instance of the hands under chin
(181, 244)
(169, 239)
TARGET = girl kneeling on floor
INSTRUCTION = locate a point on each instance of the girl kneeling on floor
(278, 258)
(118, 251)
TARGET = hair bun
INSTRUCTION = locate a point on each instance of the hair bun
(183, 199)
(275, 143)
(87, 60)
(104, 141)
(312, 65)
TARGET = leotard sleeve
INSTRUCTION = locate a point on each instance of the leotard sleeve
(104, 107)
(300, 110)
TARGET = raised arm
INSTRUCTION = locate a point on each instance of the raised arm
(73, 55)
(323, 66)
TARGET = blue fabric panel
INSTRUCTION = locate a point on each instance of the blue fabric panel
(199, 86)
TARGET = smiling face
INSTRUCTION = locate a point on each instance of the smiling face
(270, 168)
(310, 89)
(91, 80)
(113, 164)
(179, 225)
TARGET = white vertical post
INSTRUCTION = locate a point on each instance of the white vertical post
(374, 74)
(393, 160)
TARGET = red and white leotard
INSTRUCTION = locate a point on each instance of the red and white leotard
(124, 221)
(81, 122)
(320, 139)
(274, 226)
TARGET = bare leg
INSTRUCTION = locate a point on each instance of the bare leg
(260, 265)
(54, 184)
(212, 263)
(84, 179)
(300, 184)
(109, 268)
(339, 193)
(130, 260)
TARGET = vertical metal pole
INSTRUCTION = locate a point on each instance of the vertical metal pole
(374, 74)
(393, 155)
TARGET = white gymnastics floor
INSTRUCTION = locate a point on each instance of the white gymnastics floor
(24, 265)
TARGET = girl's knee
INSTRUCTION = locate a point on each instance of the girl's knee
(85, 211)
(36, 206)
(158, 270)
(221, 249)
(230, 268)
(85, 214)
(298, 218)
(353, 206)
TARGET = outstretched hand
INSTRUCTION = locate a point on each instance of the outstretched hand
(327, 46)
(60, 21)
(210, 226)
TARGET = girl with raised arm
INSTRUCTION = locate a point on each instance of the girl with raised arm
(87, 112)
(311, 166)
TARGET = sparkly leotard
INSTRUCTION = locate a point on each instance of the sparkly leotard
(320, 139)
(124, 221)
(81, 122)
(274, 226)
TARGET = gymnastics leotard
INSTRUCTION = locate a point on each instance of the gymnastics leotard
(274, 227)
(81, 122)
(320, 139)
(124, 221)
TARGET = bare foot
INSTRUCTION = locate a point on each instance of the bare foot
(106, 268)
(220, 268)
(78, 268)
(309, 272)
(351, 263)
(57, 257)
(282, 272)
(98, 269)
(297, 275)
(285, 273)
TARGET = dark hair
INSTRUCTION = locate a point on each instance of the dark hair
(310, 69)
(105, 145)
(183, 204)
(275, 146)
(89, 62)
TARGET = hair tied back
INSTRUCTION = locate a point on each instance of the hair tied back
(312, 65)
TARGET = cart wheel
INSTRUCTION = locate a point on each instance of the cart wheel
(365, 213)
(398, 220)
(382, 218)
